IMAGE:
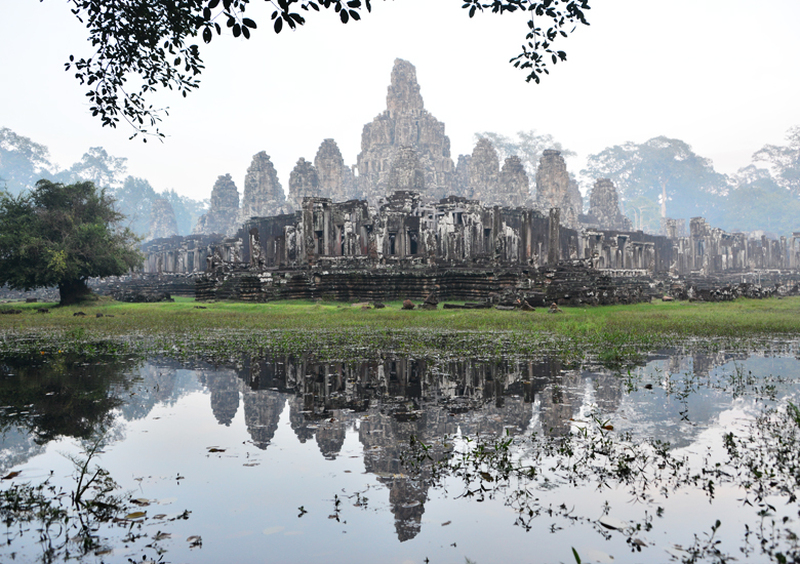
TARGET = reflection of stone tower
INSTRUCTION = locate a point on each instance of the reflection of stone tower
(223, 213)
(331, 435)
(404, 123)
(407, 495)
(263, 194)
(262, 411)
(224, 388)
(298, 421)
(555, 189)
(335, 178)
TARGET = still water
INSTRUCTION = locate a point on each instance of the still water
(285, 459)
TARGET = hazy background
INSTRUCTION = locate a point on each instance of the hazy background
(721, 75)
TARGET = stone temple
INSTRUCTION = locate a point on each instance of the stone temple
(404, 222)
(404, 123)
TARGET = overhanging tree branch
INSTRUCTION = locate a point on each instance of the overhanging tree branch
(149, 41)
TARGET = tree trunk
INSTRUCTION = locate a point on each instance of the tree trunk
(73, 291)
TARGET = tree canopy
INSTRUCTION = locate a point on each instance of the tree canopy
(784, 160)
(758, 202)
(152, 42)
(22, 161)
(62, 235)
(661, 176)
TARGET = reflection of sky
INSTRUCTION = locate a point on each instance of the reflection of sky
(658, 414)
(245, 500)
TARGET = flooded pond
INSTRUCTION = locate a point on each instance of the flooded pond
(687, 457)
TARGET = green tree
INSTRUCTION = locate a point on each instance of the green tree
(62, 235)
(660, 177)
(135, 200)
(150, 44)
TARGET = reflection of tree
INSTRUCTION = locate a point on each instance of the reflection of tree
(63, 395)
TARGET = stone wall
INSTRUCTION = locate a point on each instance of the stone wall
(710, 250)
(409, 232)
(540, 287)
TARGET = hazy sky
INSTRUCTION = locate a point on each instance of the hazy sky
(721, 75)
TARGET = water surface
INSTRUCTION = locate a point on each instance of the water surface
(285, 459)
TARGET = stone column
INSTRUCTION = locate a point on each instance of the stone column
(553, 251)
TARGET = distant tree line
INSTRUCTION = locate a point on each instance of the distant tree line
(664, 175)
(24, 162)
(659, 176)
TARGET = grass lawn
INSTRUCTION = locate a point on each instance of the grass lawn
(609, 330)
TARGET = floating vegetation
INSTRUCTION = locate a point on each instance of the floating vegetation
(762, 464)
(91, 517)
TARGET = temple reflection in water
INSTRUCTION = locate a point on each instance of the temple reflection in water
(382, 403)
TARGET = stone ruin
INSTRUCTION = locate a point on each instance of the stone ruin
(404, 123)
(555, 188)
(303, 183)
(461, 177)
(162, 219)
(604, 212)
(263, 194)
(402, 149)
(223, 213)
(336, 179)
(412, 225)
(478, 177)
(484, 170)
(406, 173)
(514, 188)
